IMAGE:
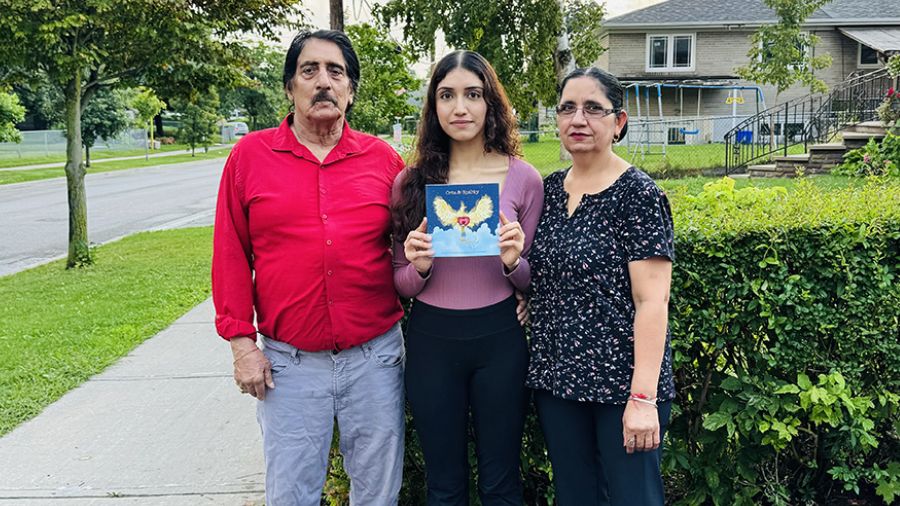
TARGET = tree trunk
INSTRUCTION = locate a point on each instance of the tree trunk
(563, 63)
(337, 14)
(79, 252)
(87, 156)
(158, 125)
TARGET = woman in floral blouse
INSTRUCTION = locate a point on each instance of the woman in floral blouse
(601, 261)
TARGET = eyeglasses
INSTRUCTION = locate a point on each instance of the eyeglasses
(590, 110)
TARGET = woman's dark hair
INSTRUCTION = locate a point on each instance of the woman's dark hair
(339, 39)
(431, 163)
(608, 83)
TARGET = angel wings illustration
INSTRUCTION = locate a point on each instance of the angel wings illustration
(461, 219)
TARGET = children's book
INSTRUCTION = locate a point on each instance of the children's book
(463, 219)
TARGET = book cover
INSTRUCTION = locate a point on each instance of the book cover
(463, 219)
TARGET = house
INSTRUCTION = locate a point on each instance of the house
(680, 56)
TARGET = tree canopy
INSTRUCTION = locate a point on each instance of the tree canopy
(782, 54)
(387, 81)
(105, 117)
(11, 112)
(518, 37)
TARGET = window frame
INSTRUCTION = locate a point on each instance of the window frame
(860, 64)
(670, 52)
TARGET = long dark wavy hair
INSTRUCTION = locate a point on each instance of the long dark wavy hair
(431, 164)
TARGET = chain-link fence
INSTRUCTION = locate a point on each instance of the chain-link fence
(47, 143)
(667, 147)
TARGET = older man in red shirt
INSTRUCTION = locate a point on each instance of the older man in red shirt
(302, 243)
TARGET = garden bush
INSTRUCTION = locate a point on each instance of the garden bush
(873, 159)
(784, 315)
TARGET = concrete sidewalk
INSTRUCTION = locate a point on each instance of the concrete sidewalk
(163, 426)
(61, 165)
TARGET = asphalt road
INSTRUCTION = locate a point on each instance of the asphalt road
(34, 219)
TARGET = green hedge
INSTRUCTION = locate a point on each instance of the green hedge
(787, 352)
(785, 316)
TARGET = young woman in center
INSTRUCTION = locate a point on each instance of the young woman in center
(466, 351)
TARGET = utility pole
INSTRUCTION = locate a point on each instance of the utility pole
(337, 14)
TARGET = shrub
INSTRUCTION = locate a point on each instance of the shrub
(873, 159)
(784, 317)
(785, 323)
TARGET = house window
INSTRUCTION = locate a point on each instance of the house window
(868, 57)
(658, 52)
(682, 51)
(801, 51)
(670, 53)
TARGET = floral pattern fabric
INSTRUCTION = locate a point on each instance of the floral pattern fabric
(582, 336)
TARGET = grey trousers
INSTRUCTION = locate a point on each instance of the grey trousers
(362, 388)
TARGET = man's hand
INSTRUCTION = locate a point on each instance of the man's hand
(252, 370)
(522, 312)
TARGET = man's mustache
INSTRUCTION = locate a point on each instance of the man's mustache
(323, 96)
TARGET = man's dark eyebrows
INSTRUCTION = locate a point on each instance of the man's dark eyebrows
(329, 65)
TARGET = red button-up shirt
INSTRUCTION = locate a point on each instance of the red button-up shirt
(305, 244)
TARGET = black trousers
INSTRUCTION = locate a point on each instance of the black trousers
(462, 360)
(590, 465)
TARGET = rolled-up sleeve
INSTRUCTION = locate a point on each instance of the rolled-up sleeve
(232, 263)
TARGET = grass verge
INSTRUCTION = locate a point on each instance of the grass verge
(7, 161)
(22, 176)
(60, 327)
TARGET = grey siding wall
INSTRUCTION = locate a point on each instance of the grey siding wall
(717, 54)
(603, 61)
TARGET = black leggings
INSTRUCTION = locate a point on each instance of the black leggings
(462, 359)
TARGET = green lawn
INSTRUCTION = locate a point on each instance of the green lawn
(60, 327)
(679, 160)
(13, 161)
(694, 185)
(21, 176)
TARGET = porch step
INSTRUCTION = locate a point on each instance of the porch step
(824, 157)
(854, 140)
(767, 170)
(788, 165)
(866, 127)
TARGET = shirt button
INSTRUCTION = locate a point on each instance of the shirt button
(330, 273)
(323, 191)
(330, 302)
(324, 217)
(328, 242)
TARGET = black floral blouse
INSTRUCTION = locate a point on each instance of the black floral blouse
(582, 336)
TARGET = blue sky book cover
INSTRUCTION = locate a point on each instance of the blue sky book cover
(463, 219)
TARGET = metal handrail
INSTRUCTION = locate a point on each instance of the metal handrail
(811, 119)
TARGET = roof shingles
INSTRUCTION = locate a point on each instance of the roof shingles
(726, 12)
